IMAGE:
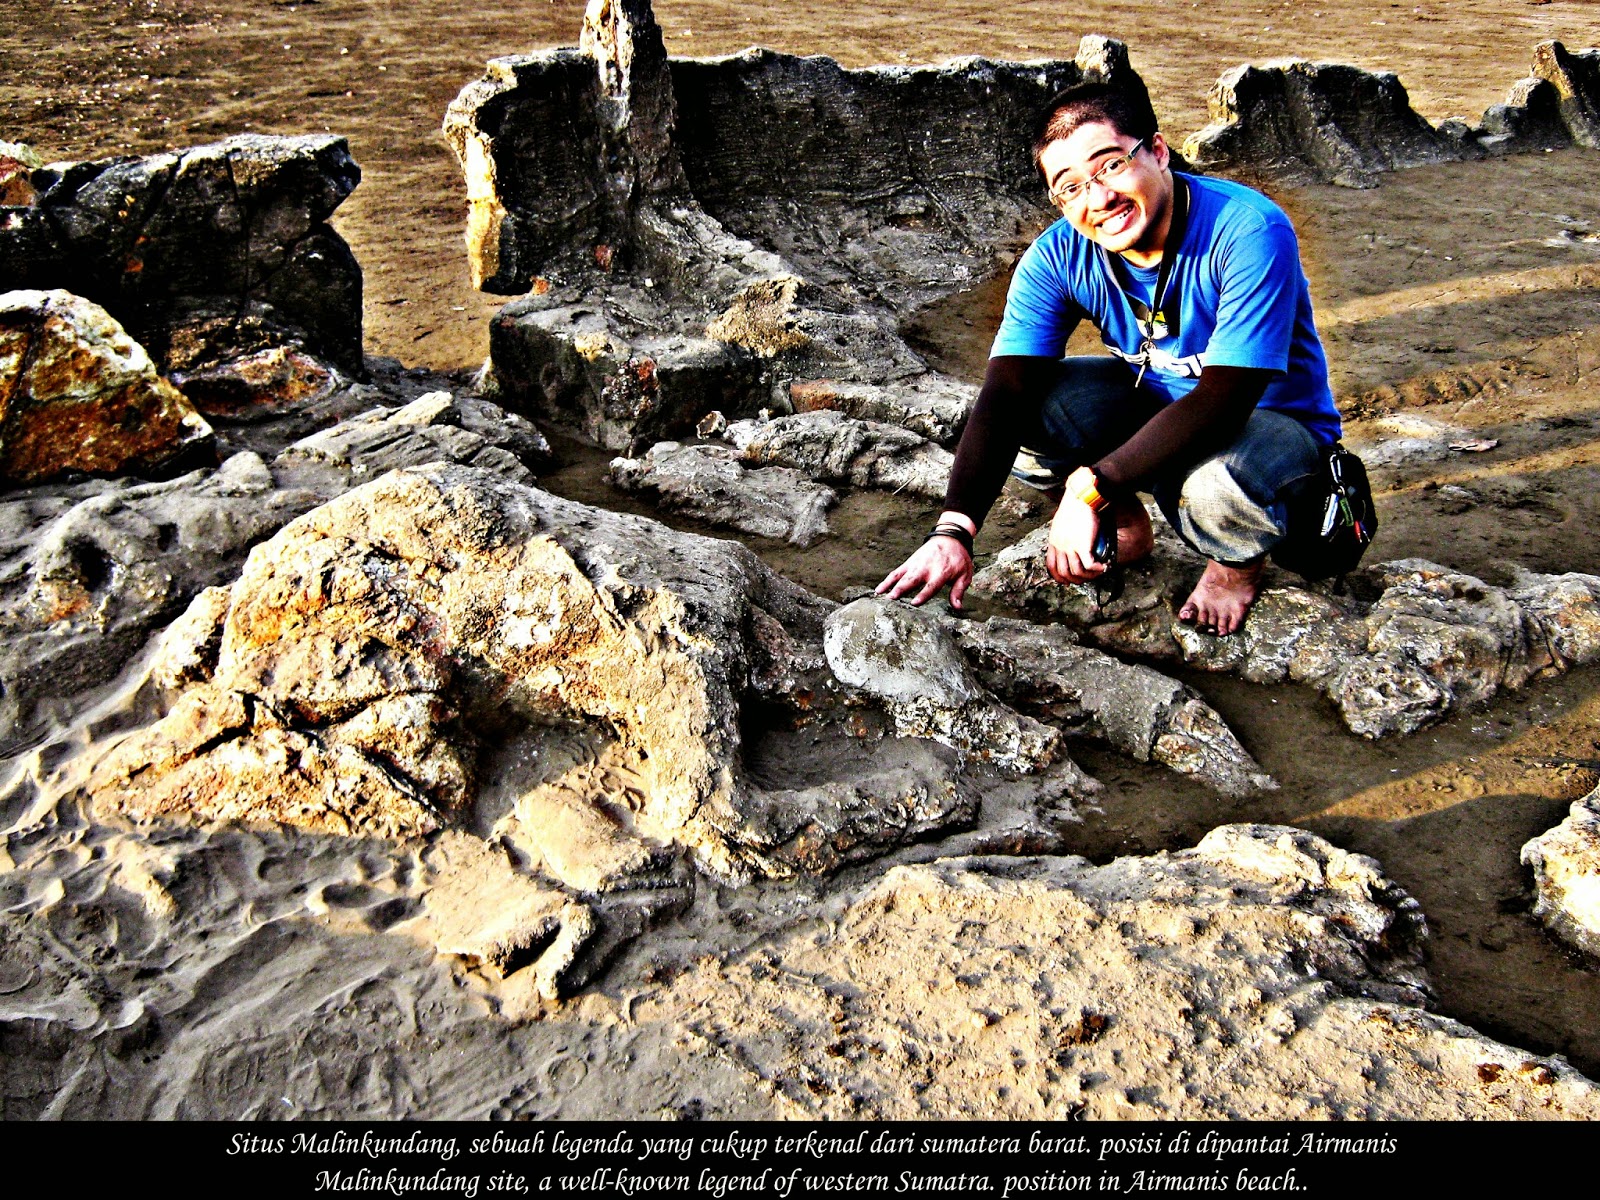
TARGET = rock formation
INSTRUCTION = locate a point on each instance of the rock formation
(1305, 121)
(379, 636)
(78, 395)
(1262, 974)
(835, 448)
(713, 485)
(962, 682)
(1575, 76)
(1566, 876)
(203, 254)
(1320, 121)
(88, 571)
(675, 264)
(1408, 642)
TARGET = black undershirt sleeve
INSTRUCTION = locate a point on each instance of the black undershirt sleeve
(1013, 386)
(1180, 434)
(1190, 429)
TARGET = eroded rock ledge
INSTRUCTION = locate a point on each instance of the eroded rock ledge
(1405, 643)
(203, 254)
(1262, 974)
(676, 264)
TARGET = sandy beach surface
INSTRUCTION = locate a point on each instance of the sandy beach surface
(1468, 292)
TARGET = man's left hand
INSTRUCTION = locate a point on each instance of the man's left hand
(1070, 555)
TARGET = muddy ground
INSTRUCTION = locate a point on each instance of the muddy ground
(1464, 293)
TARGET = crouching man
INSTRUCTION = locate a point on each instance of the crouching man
(1215, 397)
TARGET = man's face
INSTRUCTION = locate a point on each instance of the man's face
(1129, 210)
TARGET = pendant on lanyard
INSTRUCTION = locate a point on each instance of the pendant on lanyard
(1154, 321)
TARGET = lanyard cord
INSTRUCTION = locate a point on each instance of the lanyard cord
(1169, 254)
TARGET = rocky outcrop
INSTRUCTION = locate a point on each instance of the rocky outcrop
(1575, 76)
(1263, 974)
(1566, 876)
(832, 447)
(675, 264)
(1306, 121)
(1043, 671)
(89, 571)
(1007, 691)
(203, 254)
(711, 484)
(1530, 119)
(77, 394)
(392, 629)
(1321, 121)
(907, 660)
(1408, 642)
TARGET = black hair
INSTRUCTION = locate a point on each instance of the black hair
(1128, 111)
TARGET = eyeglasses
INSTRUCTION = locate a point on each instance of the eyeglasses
(1110, 171)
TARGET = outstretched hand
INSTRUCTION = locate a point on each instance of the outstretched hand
(937, 562)
(1070, 555)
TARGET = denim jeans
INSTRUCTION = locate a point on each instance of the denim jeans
(1232, 507)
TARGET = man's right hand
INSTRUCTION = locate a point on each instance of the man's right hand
(938, 561)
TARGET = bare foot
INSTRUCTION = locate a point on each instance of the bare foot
(1223, 596)
(1135, 538)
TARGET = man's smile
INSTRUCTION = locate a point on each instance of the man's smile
(1117, 219)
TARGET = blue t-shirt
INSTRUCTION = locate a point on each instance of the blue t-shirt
(1243, 301)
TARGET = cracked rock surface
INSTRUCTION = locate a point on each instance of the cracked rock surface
(835, 448)
(381, 636)
(77, 394)
(1262, 974)
(1408, 643)
(88, 571)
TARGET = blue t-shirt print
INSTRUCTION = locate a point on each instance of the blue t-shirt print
(1243, 301)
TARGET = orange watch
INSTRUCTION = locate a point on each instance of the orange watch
(1082, 485)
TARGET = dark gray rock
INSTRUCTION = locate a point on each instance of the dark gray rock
(1529, 120)
(698, 234)
(202, 253)
(1322, 121)
(710, 483)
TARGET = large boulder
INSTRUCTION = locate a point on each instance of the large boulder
(1263, 974)
(382, 638)
(1566, 876)
(89, 571)
(205, 253)
(77, 394)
